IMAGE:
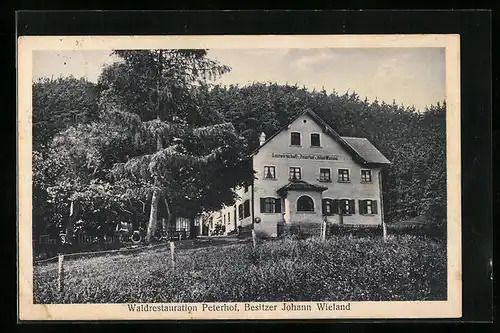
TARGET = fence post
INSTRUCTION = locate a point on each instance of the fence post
(384, 231)
(254, 239)
(60, 277)
(172, 253)
(323, 230)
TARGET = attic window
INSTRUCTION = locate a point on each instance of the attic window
(295, 139)
(315, 140)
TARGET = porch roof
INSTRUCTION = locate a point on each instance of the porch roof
(300, 185)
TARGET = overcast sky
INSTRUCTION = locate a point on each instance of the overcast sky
(412, 76)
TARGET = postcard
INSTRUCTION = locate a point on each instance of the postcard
(239, 177)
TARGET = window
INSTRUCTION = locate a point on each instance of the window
(330, 207)
(295, 139)
(246, 188)
(295, 173)
(344, 175)
(315, 140)
(324, 175)
(305, 204)
(240, 212)
(269, 172)
(229, 217)
(246, 208)
(368, 207)
(346, 206)
(234, 214)
(366, 176)
(270, 205)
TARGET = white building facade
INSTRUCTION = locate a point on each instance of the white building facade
(307, 173)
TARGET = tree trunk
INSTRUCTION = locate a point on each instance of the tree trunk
(153, 215)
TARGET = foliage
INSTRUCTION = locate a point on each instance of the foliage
(58, 104)
(341, 269)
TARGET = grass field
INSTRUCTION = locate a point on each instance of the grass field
(340, 269)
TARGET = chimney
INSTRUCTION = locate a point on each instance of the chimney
(262, 138)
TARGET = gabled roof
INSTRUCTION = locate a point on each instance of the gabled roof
(361, 149)
(366, 150)
(301, 186)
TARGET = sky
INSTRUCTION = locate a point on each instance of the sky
(410, 76)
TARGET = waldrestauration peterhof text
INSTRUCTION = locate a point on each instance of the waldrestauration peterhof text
(235, 307)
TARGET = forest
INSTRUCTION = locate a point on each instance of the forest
(156, 138)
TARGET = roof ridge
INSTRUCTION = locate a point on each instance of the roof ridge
(355, 137)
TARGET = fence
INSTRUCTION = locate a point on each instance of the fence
(300, 229)
(314, 229)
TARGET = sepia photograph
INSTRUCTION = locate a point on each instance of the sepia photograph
(210, 176)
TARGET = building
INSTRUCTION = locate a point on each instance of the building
(308, 173)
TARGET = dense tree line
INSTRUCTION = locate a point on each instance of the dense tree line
(413, 140)
(154, 138)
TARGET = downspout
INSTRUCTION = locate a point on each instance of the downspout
(384, 228)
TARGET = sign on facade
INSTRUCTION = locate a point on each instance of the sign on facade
(306, 156)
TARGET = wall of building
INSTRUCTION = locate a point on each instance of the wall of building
(233, 222)
(310, 169)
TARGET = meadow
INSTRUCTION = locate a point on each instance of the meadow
(342, 268)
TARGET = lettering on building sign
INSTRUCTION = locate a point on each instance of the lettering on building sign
(306, 156)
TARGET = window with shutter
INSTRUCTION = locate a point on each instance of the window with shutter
(368, 207)
(351, 207)
(374, 207)
(346, 206)
(240, 212)
(270, 205)
(335, 206)
(246, 208)
(362, 207)
(327, 205)
(277, 205)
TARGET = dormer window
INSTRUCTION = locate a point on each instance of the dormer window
(295, 139)
(315, 140)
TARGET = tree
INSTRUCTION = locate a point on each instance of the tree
(58, 104)
(154, 89)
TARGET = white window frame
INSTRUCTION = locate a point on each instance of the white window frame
(305, 211)
(320, 140)
(264, 172)
(319, 177)
(361, 176)
(294, 167)
(348, 173)
(301, 139)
